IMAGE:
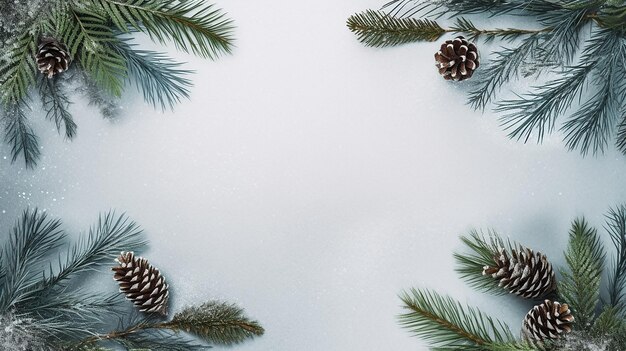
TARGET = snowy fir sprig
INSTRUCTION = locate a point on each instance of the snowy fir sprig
(86, 46)
(581, 43)
(583, 308)
(45, 305)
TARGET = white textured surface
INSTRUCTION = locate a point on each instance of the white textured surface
(311, 179)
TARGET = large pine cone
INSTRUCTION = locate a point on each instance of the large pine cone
(457, 59)
(523, 272)
(547, 321)
(142, 283)
(52, 57)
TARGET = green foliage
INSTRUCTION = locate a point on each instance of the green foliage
(580, 284)
(482, 250)
(375, 28)
(216, 322)
(600, 324)
(96, 33)
(587, 86)
(446, 324)
(43, 297)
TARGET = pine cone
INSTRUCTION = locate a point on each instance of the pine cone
(52, 57)
(457, 59)
(524, 273)
(141, 283)
(547, 321)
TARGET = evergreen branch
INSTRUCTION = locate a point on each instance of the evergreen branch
(592, 125)
(482, 250)
(378, 29)
(580, 285)
(20, 135)
(216, 322)
(608, 322)
(502, 68)
(93, 38)
(407, 8)
(17, 69)
(104, 242)
(375, 28)
(538, 111)
(616, 227)
(199, 29)
(465, 26)
(161, 81)
(620, 142)
(445, 323)
(32, 239)
(56, 103)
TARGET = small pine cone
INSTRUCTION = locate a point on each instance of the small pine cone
(457, 59)
(52, 57)
(547, 321)
(142, 283)
(523, 272)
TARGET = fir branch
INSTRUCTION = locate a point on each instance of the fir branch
(20, 135)
(162, 82)
(465, 26)
(92, 45)
(199, 29)
(538, 111)
(32, 239)
(580, 284)
(375, 28)
(482, 250)
(445, 323)
(56, 102)
(616, 227)
(17, 69)
(620, 142)
(216, 322)
(607, 323)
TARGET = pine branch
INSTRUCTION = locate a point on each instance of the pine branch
(593, 124)
(162, 82)
(104, 242)
(375, 28)
(56, 103)
(504, 67)
(616, 227)
(445, 323)
(217, 323)
(482, 250)
(621, 134)
(199, 29)
(608, 322)
(32, 239)
(20, 135)
(465, 26)
(580, 285)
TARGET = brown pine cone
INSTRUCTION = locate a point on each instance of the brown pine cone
(142, 283)
(52, 57)
(457, 59)
(523, 272)
(547, 321)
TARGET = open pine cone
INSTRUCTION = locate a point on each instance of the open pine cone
(52, 57)
(142, 283)
(457, 59)
(547, 321)
(523, 272)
